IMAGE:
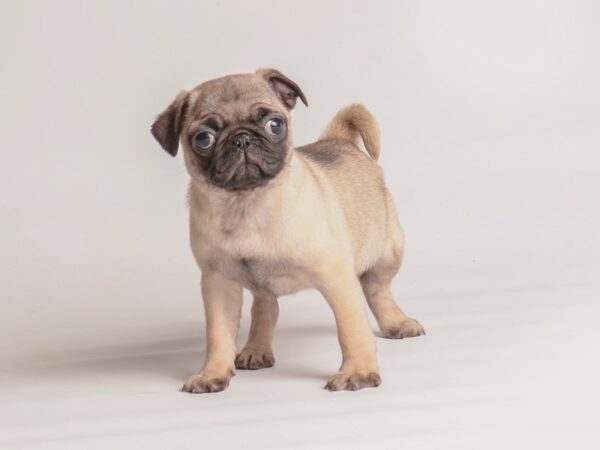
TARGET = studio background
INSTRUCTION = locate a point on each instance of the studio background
(490, 117)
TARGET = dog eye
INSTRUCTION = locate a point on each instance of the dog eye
(204, 139)
(274, 126)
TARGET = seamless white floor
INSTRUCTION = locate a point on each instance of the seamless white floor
(514, 368)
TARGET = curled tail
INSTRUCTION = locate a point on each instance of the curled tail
(350, 123)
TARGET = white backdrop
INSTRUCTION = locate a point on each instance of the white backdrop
(490, 120)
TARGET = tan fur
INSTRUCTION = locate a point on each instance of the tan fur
(326, 222)
(352, 122)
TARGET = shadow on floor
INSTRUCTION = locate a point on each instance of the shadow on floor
(172, 352)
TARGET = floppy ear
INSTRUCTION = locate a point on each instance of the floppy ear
(286, 89)
(168, 124)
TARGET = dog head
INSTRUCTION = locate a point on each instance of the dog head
(234, 131)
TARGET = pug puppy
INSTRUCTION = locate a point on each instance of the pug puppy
(275, 219)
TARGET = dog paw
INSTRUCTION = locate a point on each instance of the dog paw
(406, 328)
(252, 359)
(344, 381)
(201, 383)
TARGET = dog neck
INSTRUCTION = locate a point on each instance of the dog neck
(246, 210)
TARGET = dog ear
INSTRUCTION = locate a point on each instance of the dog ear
(286, 89)
(168, 124)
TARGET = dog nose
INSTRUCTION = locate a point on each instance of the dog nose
(242, 141)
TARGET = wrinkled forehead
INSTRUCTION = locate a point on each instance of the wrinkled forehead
(233, 97)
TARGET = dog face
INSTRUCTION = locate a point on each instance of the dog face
(234, 130)
(237, 134)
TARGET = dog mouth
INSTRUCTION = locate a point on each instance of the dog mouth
(234, 169)
(245, 175)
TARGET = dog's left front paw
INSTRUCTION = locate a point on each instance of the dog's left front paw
(201, 383)
(352, 381)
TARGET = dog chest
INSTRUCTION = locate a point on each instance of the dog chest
(278, 277)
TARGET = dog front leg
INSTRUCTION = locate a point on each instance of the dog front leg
(222, 306)
(359, 369)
